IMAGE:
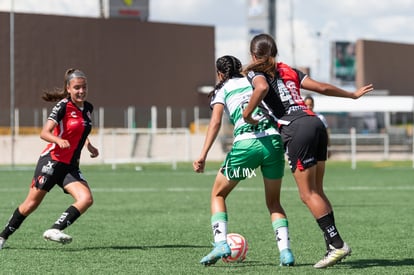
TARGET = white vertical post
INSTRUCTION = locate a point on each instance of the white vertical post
(168, 114)
(386, 146)
(16, 121)
(44, 115)
(387, 121)
(196, 119)
(153, 119)
(153, 130)
(353, 148)
(131, 117)
(113, 149)
(101, 117)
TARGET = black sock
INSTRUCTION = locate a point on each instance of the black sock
(67, 218)
(13, 224)
(324, 233)
(331, 234)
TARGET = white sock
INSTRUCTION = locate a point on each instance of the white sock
(282, 238)
(280, 227)
(219, 231)
(219, 226)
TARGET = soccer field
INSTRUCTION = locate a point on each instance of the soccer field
(154, 220)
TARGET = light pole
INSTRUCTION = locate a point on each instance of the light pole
(318, 55)
(292, 33)
(12, 101)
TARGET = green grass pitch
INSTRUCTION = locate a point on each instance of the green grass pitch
(155, 220)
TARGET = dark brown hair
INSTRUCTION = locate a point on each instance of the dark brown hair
(263, 48)
(230, 67)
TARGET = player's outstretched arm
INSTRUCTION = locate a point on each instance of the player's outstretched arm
(331, 90)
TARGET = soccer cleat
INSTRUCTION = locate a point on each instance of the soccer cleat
(57, 236)
(333, 256)
(2, 242)
(286, 258)
(220, 250)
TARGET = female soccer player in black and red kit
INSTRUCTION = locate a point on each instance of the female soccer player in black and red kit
(304, 135)
(66, 130)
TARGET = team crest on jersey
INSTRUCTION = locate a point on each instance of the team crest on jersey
(41, 180)
(291, 85)
(73, 114)
(48, 168)
(250, 74)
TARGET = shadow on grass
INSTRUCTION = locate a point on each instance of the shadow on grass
(145, 247)
(367, 263)
(358, 264)
(115, 247)
(244, 264)
(352, 264)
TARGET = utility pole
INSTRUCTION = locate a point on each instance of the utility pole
(272, 18)
(292, 34)
(12, 92)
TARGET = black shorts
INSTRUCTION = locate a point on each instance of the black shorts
(306, 142)
(49, 172)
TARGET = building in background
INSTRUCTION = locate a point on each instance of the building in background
(388, 65)
(135, 9)
(261, 17)
(343, 66)
(128, 63)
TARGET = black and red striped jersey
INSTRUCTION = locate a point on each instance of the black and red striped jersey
(74, 125)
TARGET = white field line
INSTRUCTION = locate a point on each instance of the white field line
(239, 189)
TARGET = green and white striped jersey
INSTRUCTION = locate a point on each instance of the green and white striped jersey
(234, 95)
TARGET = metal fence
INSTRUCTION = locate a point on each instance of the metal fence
(349, 142)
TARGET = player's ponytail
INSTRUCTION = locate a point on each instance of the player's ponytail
(263, 48)
(58, 94)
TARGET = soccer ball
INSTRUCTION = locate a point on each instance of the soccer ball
(238, 246)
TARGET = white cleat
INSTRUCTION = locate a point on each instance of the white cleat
(2, 242)
(334, 256)
(57, 236)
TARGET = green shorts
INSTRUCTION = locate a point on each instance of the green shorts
(248, 154)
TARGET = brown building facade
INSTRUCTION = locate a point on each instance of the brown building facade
(128, 62)
(387, 65)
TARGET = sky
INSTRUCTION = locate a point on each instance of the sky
(305, 29)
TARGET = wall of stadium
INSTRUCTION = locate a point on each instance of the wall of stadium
(128, 62)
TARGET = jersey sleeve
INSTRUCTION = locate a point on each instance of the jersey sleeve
(251, 75)
(58, 111)
(218, 97)
(301, 75)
